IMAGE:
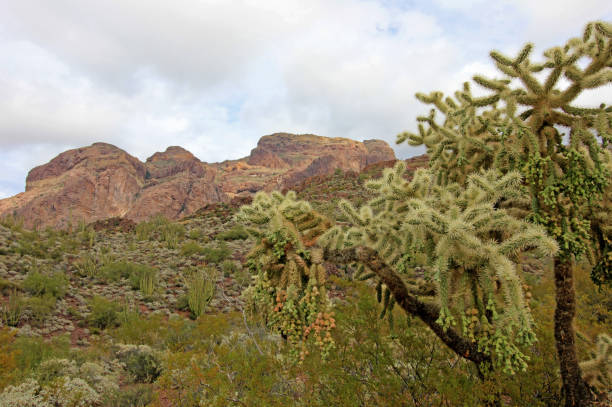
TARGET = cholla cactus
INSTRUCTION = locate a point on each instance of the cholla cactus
(290, 277)
(566, 176)
(471, 249)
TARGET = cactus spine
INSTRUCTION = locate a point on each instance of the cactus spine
(566, 177)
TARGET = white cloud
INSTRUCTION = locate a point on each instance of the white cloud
(214, 76)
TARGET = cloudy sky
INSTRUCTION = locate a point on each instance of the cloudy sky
(215, 75)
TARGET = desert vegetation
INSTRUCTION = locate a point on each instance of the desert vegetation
(478, 275)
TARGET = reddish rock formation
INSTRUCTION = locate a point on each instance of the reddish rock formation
(282, 160)
(89, 183)
(378, 150)
(102, 181)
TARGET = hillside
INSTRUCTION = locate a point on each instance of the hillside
(115, 294)
(102, 181)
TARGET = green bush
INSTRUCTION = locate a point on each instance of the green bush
(141, 362)
(145, 230)
(116, 270)
(87, 265)
(134, 272)
(137, 395)
(229, 267)
(31, 351)
(195, 234)
(171, 234)
(182, 303)
(39, 284)
(51, 369)
(191, 248)
(104, 313)
(216, 255)
(7, 287)
(235, 233)
(41, 307)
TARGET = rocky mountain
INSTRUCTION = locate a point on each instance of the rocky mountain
(102, 181)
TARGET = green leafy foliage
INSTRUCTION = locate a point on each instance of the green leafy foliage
(39, 284)
(141, 362)
(235, 233)
(104, 313)
(40, 307)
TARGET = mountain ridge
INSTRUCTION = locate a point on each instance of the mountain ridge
(102, 181)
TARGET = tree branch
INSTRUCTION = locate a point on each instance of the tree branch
(428, 313)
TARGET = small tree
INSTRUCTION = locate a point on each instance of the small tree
(566, 177)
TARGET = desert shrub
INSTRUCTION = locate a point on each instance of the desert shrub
(27, 394)
(87, 235)
(32, 351)
(182, 303)
(12, 312)
(38, 283)
(143, 278)
(51, 369)
(229, 267)
(243, 277)
(141, 329)
(195, 234)
(235, 233)
(104, 313)
(87, 265)
(216, 255)
(140, 276)
(70, 392)
(200, 291)
(136, 395)
(117, 270)
(8, 357)
(145, 230)
(171, 234)
(141, 362)
(104, 379)
(190, 248)
(7, 287)
(40, 307)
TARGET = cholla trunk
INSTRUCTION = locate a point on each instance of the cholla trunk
(428, 313)
(574, 388)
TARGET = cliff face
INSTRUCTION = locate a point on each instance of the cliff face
(282, 160)
(88, 183)
(103, 181)
(177, 185)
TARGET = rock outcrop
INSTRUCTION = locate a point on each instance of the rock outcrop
(102, 181)
(88, 183)
(177, 184)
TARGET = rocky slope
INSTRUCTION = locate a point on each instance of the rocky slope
(103, 181)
